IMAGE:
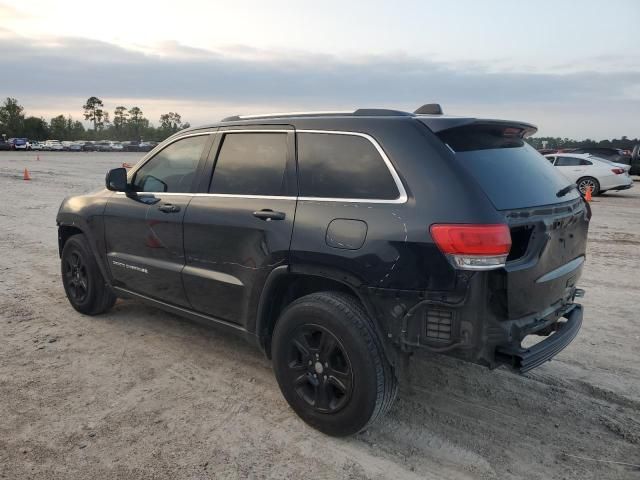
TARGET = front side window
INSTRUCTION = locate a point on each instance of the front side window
(342, 166)
(251, 164)
(173, 169)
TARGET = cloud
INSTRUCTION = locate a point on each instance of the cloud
(240, 75)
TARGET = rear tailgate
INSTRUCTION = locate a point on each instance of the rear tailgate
(547, 256)
(548, 221)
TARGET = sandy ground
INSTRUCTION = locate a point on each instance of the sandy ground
(139, 393)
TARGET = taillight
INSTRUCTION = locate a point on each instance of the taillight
(617, 171)
(473, 247)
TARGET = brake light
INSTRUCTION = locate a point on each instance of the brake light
(617, 171)
(473, 247)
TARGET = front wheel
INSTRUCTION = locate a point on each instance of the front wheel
(330, 364)
(83, 282)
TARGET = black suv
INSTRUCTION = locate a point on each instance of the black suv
(341, 243)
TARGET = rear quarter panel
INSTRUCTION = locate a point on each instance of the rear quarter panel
(398, 252)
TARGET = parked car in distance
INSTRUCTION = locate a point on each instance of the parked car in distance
(19, 144)
(146, 146)
(635, 161)
(54, 145)
(75, 147)
(588, 171)
(341, 243)
(88, 146)
(612, 154)
(102, 146)
(116, 147)
(4, 146)
(36, 145)
(131, 146)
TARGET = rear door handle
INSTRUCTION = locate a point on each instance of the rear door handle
(267, 215)
(169, 208)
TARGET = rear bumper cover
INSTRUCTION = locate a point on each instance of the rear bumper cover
(525, 359)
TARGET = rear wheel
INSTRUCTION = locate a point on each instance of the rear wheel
(83, 283)
(330, 364)
(586, 182)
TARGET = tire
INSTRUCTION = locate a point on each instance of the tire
(584, 182)
(83, 282)
(330, 365)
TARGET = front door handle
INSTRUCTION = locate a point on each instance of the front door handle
(267, 215)
(169, 208)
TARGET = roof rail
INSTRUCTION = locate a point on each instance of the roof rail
(235, 118)
(383, 112)
(361, 112)
(429, 109)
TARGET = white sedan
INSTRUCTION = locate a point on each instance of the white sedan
(588, 171)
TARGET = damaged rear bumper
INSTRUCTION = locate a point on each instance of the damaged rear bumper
(524, 359)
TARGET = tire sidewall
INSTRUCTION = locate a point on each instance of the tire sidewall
(361, 405)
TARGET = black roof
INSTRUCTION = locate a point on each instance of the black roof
(430, 114)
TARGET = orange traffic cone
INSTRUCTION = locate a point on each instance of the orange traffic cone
(587, 195)
(26, 175)
(126, 165)
(38, 158)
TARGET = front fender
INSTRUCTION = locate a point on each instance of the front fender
(84, 213)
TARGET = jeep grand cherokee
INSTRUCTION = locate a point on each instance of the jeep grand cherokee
(341, 243)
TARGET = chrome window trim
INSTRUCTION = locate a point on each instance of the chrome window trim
(220, 195)
(230, 129)
(402, 198)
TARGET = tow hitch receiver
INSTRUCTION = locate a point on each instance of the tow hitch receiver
(525, 359)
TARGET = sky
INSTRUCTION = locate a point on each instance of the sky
(570, 67)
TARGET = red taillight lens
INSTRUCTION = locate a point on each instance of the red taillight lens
(617, 171)
(473, 247)
(472, 239)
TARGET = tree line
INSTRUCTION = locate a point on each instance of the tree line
(125, 124)
(131, 124)
(624, 142)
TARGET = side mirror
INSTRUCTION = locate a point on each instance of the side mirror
(116, 180)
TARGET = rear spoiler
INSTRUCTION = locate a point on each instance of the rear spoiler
(513, 128)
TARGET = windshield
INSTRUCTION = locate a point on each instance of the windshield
(511, 172)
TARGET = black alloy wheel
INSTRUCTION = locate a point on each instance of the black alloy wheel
(83, 282)
(330, 363)
(319, 369)
(77, 281)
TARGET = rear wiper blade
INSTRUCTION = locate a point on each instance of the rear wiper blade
(563, 191)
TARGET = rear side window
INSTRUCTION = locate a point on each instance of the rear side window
(251, 164)
(568, 162)
(342, 166)
(511, 172)
(173, 169)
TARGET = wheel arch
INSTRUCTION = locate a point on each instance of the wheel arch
(70, 225)
(285, 284)
(65, 232)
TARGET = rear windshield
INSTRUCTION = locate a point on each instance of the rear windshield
(511, 172)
